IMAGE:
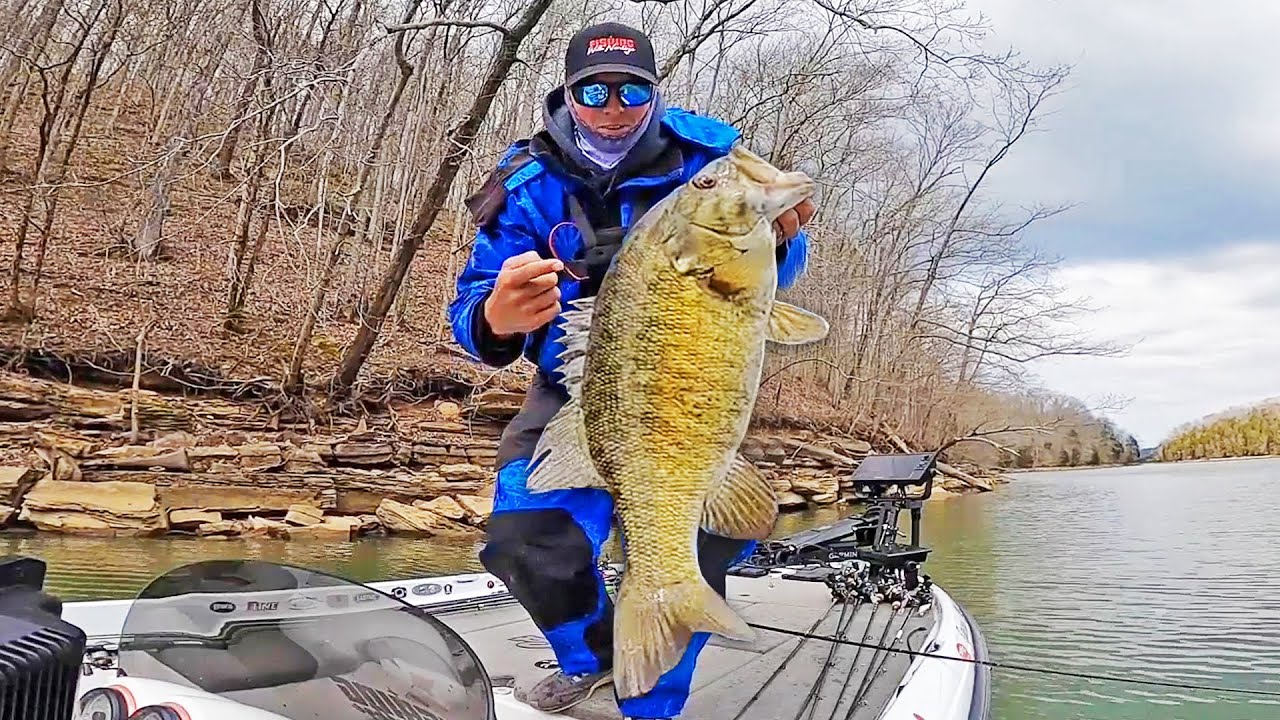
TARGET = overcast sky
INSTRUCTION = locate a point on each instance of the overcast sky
(1166, 137)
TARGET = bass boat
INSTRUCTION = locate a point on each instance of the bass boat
(256, 640)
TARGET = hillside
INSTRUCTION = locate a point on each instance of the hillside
(201, 202)
(1246, 431)
(95, 297)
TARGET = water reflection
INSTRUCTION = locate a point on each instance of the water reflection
(85, 568)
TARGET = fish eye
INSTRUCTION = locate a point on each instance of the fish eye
(704, 182)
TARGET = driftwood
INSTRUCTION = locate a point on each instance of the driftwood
(964, 477)
(818, 452)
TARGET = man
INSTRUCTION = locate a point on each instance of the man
(550, 218)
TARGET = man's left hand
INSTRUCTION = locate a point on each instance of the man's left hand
(789, 223)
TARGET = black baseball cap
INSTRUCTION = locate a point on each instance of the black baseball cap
(609, 47)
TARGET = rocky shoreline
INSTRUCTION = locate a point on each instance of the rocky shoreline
(90, 461)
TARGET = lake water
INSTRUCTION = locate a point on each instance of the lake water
(1163, 572)
(1156, 572)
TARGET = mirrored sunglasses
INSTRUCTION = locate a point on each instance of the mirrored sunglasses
(596, 94)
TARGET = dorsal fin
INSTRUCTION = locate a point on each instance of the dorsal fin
(577, 331)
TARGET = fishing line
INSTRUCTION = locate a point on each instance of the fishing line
(1024, 668)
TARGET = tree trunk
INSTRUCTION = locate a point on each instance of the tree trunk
(240, 247)
(221, 164)
(241, 259)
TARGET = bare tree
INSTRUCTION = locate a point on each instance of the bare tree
(59, 134)
(303, 193)
(293, 381)
(459, 140)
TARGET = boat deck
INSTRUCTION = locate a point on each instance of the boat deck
(767, 678)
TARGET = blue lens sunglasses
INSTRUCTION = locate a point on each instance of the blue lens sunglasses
(596, 94)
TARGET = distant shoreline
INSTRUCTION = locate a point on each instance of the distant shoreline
(1212, 460)
(1015, 471)
(1062, 468)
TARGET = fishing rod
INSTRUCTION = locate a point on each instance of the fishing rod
(1013, 666)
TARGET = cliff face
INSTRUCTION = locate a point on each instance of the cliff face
(218, 468)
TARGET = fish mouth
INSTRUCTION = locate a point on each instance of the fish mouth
(788, 191)
(779, 191)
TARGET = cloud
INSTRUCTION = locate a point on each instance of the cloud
(1203, 326)
(1164, 136)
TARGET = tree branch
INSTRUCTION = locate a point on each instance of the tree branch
(442, 22)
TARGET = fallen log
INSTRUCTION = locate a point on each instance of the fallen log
(944, 468)
(964, 477)
(818, 452)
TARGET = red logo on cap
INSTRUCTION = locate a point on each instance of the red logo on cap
(610, 43)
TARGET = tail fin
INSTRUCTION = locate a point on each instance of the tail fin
(653, 627)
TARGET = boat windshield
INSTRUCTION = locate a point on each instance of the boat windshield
(301, 644)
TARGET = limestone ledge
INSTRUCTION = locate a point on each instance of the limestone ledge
(196, 468)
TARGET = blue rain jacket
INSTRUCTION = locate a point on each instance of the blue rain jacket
(535, 206)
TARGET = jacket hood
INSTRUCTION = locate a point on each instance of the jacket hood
(560, 126)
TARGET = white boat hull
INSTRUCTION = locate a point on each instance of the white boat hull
(478, 607)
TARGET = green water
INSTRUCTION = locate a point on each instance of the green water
(1155, 572)
(1167, 573)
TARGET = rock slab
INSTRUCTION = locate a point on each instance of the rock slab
(105, 508)
(398, 517)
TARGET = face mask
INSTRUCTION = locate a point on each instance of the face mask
(603, 151)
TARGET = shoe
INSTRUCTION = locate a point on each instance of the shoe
(559, 691)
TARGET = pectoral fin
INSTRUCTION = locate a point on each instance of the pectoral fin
(790, 325)
(562, 457)
(743, 505)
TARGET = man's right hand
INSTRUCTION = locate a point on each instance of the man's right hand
(525, 296)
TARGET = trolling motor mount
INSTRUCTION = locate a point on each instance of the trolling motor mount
(890, 484)
(887, 484)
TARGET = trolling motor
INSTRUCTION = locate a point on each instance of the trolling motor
(888, 485)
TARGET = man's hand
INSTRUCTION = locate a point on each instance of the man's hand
(525, 296)
(788, 223)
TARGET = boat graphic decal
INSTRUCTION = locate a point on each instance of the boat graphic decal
(380, 704)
